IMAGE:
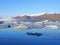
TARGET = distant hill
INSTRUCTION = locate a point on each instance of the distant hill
(1, 17)
(46, 16)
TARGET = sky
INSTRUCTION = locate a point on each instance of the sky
(19, 7)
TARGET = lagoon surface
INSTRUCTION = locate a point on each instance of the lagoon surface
(11, 36)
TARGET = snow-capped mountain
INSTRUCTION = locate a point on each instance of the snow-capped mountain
(39, 17)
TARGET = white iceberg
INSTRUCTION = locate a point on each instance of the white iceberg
(51, 27)
(21, 26)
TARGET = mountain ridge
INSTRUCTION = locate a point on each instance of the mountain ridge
(45, 16)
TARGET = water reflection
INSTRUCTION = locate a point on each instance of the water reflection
(34, 33)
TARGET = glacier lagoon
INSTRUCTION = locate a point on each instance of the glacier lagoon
(16, 35)
(11, 36)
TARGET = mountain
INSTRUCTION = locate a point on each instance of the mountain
(17, 17)
(1, 17)
(22, 18)
(45, 16)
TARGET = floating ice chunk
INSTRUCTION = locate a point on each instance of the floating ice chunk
(21, 26)
(51, 27)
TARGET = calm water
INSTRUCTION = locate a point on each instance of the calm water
(12, 36)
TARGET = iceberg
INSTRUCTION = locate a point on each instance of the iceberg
(21, 26)
(51, 27)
